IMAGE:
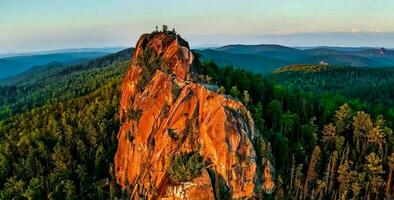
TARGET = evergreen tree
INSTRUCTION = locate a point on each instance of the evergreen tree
(390, 160)
(375, 181)
(329, 135)
(362, 124)
(343, 118)
(344, 178)
(311, 173)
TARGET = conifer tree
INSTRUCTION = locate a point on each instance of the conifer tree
(357, 180)
(375, 169)
(287, 122)
(344, 179)
(390, 163)
(298, 180)
(342, 118)
(329, 135)
(320, 189)
(311, 173)
(165, 28)
(375, 137)
(362, 123)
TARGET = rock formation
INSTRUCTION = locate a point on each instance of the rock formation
(165, 112)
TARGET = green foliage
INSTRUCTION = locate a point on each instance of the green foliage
(185, 167)
(221, 190)
(366, 84)
(130, 136)
(12, 188)
(61, 149)
(35, 189)
(307, 68)
(274, 111)
(60, 83)
(149, 61)
(166, 110)
(319, 130)
(259, 116)
(235, 92)
(165, 28)
(173, 135)
(175, 91)
(135, 114)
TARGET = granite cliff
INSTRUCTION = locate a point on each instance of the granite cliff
(171, 122)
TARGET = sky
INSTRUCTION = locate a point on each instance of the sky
(27, 25)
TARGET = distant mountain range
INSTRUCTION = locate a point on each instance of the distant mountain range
(265, 58)
(340, 48)
(72, 50)
(42, 72)
(14, 64)
(258, 58)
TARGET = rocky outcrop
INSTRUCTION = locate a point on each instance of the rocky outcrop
(165, 112)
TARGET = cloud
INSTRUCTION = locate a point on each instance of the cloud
(375, 31)
(355, 30)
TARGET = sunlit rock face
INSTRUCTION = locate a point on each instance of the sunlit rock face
(165, 111)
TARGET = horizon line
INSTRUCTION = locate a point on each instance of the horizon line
(204, 46)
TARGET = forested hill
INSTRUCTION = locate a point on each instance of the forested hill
(59, 82)
(15, 64)
(265, 58)
(42, 72)
(374, 85)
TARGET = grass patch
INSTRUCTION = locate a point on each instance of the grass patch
(185, 167)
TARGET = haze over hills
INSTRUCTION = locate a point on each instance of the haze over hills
(265, 58)
(71, 50)
(43, 72)
(13, 64)
(336, 48)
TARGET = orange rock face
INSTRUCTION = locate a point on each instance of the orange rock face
(168, 113)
